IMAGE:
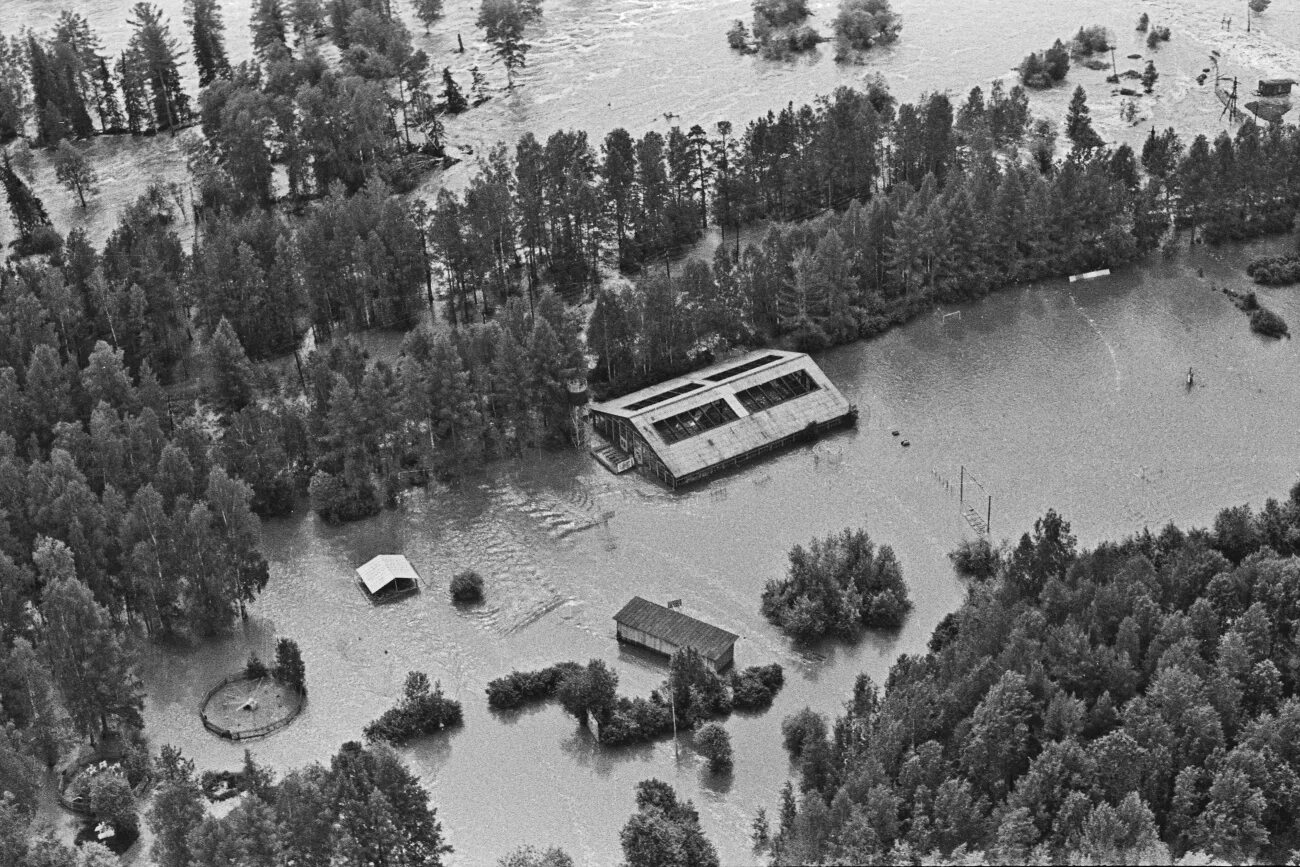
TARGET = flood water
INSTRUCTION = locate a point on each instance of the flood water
(1057, 396)
(1054, 396)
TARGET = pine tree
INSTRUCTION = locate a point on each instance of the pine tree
(159, 55)
(428, 11)
(1078, 123)
(135, 92)
(307, 18)
(1149, 76)
(26, 210)
(208, 34)
(232, 384)
(107, 105)
(270, 29)
(451, 93)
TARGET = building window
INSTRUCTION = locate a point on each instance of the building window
(768, 394)
(695, 421)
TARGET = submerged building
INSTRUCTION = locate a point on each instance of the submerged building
(688, 428)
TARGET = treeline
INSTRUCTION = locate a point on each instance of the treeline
(1127, 704)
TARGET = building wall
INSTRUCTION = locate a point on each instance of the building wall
(645, 639)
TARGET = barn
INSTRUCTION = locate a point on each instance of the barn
(686, 429)
(665, 630)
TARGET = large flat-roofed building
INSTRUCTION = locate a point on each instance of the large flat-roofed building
(688, 428)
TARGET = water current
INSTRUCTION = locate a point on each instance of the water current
(1052, 396)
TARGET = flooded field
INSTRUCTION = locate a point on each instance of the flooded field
(1059, 396)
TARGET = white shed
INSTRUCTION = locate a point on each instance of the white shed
(388, 577)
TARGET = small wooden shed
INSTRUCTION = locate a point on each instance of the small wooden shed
(388, 577)
(664, 630)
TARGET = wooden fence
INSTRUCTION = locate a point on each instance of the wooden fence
(244, 735)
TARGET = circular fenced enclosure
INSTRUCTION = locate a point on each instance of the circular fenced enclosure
(242, 707)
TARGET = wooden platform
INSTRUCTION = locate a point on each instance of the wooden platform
(613, 459)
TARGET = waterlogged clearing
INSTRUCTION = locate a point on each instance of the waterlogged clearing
(597, 66)
(1072, 398)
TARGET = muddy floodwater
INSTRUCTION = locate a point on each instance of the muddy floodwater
(1059, 395)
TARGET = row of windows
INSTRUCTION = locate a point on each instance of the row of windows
(766, 394)
(695, 421)
(665, 395)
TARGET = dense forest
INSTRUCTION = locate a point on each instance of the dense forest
(1116, 706)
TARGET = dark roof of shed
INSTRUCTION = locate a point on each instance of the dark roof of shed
(676, 628)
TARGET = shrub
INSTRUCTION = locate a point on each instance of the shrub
(1266, 322)
(780, 13)
(975, 558)
(1275, 270)
(422, 711)
(221, 785)
(1043, 69)
(635, 720)
(756, 686)
(860, 24)
(837, 585)
(713, 742)
(467, 586)
(522, 687)
(738, 36)
(1089, 40)
(1157, 35)
(800, 729)
(254, 669)
(336, 502)
(1144, 21)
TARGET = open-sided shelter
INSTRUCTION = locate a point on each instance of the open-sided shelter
(388, 577)
(688, 428)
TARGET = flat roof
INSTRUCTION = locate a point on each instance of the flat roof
(676, 628)
(383, 570)
(721, 421)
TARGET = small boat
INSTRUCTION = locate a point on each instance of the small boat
(1191, 378)
(906, 443)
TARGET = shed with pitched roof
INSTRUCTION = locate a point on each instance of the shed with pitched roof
(665, 630)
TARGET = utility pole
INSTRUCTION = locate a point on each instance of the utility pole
(988, 520)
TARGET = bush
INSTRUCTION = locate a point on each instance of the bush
(1089, 40)
(1157, 35)
(1266, 322)
(335, 502)
(1043, 69)
(1275, 270)
(254, 669)
(713, 742)
(836, 586)
(800, 729)
(109, 797)
(780, 13)
(756, 686)
(738, 37)
(635, 720)
(467, 586)
(522, 687)
(975, 558)
(860, 24)
(422, 711)
(221, 785)
(44, 240)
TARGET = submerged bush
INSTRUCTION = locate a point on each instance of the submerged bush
(975, 558)
(713, 742)
(467, 586)
(861, 24)
(522, 687)
(422, 711)
(756, 686)
(1045, 68)
(1275, 270)
(837, 585)
(1266, 322)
